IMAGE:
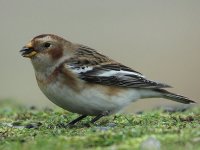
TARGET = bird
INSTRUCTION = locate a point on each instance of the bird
(81, 80)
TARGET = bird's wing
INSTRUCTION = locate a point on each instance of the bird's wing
(94, 67)
(114, 75)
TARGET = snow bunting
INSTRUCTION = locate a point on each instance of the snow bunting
(81, 80)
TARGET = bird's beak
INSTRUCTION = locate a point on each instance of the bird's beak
(28, 51)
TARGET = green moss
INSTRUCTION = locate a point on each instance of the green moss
(22, 128)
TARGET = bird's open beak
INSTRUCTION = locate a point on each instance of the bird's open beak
(28, 51)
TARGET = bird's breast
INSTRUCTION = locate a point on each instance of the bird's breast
(82, 97)
(89, 99)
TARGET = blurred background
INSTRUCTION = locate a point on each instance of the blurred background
(160, 39)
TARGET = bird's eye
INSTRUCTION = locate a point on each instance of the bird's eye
(47, 45)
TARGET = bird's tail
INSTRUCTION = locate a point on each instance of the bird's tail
(175, 97)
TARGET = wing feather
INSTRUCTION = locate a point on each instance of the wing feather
(107, 72)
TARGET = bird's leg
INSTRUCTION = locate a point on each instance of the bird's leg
(99, 116)
(96, 118)
(77, 120)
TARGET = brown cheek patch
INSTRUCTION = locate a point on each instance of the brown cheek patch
(56, 53)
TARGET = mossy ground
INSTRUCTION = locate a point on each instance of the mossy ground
(22, 128)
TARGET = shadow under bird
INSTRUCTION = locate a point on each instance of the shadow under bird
(81, 80)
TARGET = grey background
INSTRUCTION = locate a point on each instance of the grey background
(159, 38)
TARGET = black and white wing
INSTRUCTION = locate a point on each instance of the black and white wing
(114, 74)
(94, 67)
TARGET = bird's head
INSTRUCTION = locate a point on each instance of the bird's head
(46, 50)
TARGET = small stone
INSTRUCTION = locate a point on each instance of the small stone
(47, 109)
(16, 123)
(139, 112)
(196, 139)
(102, 128)
(22, 141)
(33, 107)
(29, 126)
(33, 125)
(111, 125)
(173, 109)
(169, 109)
(61, 125)
(150, 143)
